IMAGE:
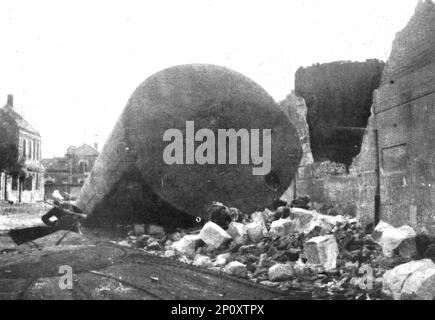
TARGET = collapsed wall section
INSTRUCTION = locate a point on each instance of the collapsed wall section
(397, 146)
(331, 187)
(338, 96)
(332, 126)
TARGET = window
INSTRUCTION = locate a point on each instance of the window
(35, 150)
(14, 184)
(30, 149)
(24, 148)
(28, 183)
(83, 166)
(37, 182)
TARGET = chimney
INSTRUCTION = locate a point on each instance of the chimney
(96, 146)
(10, 101)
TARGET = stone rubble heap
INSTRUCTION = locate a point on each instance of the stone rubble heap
(412, 280)
(298, 249)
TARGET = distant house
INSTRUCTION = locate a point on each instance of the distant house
(21, 172)
(68, 173)
(83, 158)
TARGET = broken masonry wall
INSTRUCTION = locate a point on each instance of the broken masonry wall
(328, 184)
(403, 117)
(364, 168)
(338, 96)
(404, 107)
(296, 109)
(332, 188)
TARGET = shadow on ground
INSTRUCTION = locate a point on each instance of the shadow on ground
(104, 270)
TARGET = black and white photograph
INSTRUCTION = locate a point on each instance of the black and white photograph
(236, 152)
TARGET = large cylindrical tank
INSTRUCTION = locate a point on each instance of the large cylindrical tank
(131, 180)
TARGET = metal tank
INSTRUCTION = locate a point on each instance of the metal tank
(130, 180)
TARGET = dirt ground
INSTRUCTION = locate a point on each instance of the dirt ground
(104, 270)
(21, 216)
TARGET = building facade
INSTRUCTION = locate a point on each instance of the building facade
(22, 175)
(404, 112)
(68, 173)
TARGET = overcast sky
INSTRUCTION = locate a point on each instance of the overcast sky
(72, 65)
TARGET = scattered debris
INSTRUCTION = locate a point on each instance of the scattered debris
(302, 202)
(391, 240)
(281, 227)
(202, 261)
(256, 230)
(176, 236)
(154, 246)
(261, 216)
(213, 235)
(412, 280)
(169, 254)
(322, 251)
(236, 268)
(222, 259)
(220, 214)
(187, 245)
(282, 213)
(302, 219)
(155, 230)
(295, 248)
(238, 232)
(281, 272)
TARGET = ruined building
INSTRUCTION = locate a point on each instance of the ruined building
(21, 172)
(372, 155)
(404, 116)
(339, 96)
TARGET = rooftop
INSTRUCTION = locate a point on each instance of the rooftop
(83, 150)
(19, 121)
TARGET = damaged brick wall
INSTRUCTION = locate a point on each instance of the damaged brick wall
(338, 96)
(328, 183)
(397, 141)
(404, 108)
(332, 127)
(296, 109)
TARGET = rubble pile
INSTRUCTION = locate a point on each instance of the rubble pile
(412, 280)
(294, 248)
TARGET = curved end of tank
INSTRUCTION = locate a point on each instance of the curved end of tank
(144, 188)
